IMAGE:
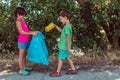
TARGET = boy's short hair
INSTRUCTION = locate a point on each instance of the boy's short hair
(65, 13)
(20, 11)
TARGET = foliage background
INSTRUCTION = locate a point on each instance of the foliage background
(96, 23)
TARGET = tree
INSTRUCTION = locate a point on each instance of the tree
(95, 22)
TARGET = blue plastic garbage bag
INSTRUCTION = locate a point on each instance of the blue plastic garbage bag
(37, 51)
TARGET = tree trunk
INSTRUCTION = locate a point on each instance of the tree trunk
(115, 42)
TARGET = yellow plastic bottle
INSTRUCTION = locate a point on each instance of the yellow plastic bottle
(49, 27)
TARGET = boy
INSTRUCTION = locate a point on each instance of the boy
(64, 44)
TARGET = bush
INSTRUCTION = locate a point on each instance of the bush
(94, 25)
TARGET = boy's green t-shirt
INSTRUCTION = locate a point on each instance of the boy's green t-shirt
(67, 29)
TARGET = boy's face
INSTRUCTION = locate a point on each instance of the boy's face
(63, 19)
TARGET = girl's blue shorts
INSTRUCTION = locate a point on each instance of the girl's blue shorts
(23, 45)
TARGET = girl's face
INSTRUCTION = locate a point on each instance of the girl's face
(63, 19)
(20, 16)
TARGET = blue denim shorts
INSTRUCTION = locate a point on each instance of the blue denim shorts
(23, 45)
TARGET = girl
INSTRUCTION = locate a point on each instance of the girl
(23, 39)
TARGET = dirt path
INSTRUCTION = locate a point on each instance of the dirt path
(81, 75)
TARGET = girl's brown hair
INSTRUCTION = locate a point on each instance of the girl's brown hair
(20, 11)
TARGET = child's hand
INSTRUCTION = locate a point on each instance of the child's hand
(55, 25)
(58, 28)
(34, 33)
(70, 51)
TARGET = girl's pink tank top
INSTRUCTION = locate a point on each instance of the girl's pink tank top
(22, 37)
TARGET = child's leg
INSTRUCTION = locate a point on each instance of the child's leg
(58, 72)
(71, 64)
(60, 63)
(27, 68)
(21, 59)
(25, 58)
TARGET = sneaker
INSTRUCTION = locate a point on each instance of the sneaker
(71, 72)
(55, 74)
(23, 72)
(27, 68)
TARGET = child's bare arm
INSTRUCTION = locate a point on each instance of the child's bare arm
(18, 25)
(58, 28)
(68, 44)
